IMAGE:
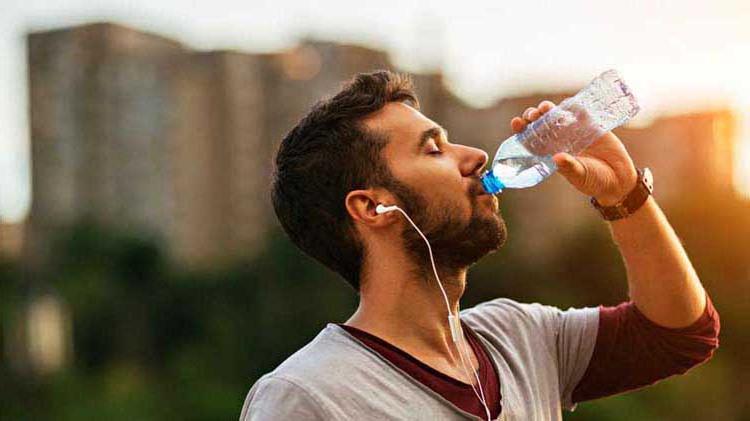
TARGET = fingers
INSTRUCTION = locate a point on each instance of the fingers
(545, 106)
(531, 114)
(572, 169)
(517, 124)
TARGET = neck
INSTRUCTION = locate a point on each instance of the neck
(407, 308)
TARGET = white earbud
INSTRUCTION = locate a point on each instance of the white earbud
(381, 208)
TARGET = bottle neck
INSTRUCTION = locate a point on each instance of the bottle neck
(492, 184)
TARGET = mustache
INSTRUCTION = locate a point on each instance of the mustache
(476, 189)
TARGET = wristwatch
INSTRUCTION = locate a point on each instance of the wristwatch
(644, 187)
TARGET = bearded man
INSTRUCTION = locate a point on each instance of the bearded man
(395, 358)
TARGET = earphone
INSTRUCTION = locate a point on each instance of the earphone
(381, 208)
(453, 320)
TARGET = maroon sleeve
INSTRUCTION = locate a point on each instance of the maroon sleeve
(631, 351)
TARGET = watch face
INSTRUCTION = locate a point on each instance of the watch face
(648, 179)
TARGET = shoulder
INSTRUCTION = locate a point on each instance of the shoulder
(330, 349)
(305, 379)
(505, 310)
(506, 315)
(274, 397)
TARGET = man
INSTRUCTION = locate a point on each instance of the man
(394, 358)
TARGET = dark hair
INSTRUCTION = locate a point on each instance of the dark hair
(325, 156)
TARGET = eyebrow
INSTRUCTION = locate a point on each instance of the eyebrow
(431, 133)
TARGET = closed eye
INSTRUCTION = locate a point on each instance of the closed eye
(434, 148)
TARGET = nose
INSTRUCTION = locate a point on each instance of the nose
(473, 162)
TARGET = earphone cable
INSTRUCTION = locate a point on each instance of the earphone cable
(460, 341)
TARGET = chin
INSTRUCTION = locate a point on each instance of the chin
(458, 242)
(483, 236)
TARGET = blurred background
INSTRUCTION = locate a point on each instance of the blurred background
(143, 274)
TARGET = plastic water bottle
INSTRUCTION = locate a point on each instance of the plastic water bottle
(525, 159)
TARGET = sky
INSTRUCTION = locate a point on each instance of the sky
(678, 56)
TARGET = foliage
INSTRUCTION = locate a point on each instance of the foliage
(153, 341)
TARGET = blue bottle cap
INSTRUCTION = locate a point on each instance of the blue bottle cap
(492, 184)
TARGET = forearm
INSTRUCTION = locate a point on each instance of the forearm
(662, 281)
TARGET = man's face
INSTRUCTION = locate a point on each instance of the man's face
(437, 184)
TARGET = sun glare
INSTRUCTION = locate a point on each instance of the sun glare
(742, 155)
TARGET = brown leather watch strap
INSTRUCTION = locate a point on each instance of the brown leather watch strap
(632, 202)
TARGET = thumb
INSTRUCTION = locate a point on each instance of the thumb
(571, 168)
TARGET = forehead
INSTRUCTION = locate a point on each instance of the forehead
(402, 123)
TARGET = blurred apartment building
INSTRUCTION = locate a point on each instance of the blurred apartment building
(136, 131)
(139, 132)
(11, 240)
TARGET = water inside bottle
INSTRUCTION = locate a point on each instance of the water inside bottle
(519, 168)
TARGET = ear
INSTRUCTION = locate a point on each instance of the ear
(361, 204)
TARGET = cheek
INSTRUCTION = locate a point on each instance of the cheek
(438, 181)
(446, 186)
(454, 200)
(446, 174)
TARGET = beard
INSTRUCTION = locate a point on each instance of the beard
(456, 244)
